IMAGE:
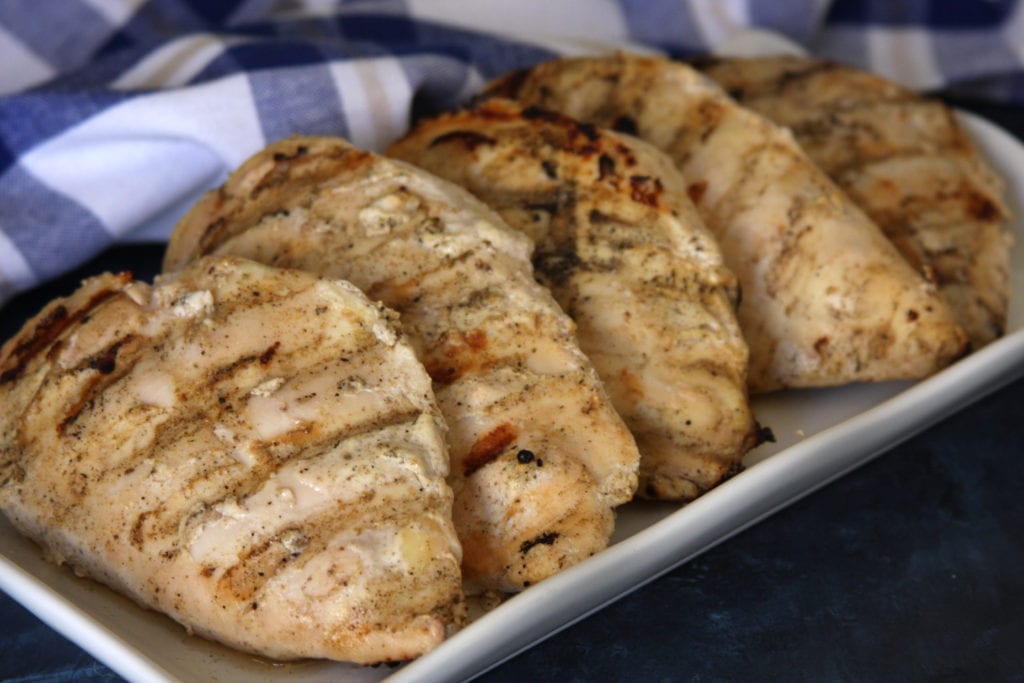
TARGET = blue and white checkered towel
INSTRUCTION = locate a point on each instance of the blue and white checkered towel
(116, 114)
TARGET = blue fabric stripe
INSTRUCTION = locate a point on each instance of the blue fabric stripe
(141, 36)
(955, 14)
(213, 12)
(1008, 88)
(254, 56)
(52, 232)
(843, 45)
(67, 38)
(870, 12)
(116, 43)
(154, 23)
(33, 117)
(490, 55)
(100, 72)
(963, 54)
(297, 100)
(668, 25)
(335, 39)
(7, 157)
(272, 54)
(223, 65)
(380, 28)
(795, 19)
(376, 34)
(976, 14)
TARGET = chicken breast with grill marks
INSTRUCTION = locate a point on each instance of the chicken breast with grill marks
(906, 161)
(625, 254)
(827, 299)
(539, 456)
(255, 452)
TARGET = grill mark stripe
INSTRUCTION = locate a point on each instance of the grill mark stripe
(488, 447)
(319, 532)
(793, 77)
(471, 139)
(315, 167)
(49, 329)
(245, 581)
(111, 368)
(232, 485)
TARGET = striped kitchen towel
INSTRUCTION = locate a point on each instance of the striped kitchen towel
(115, 115)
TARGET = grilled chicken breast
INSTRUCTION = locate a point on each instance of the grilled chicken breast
(826, 298)
(255, 452)
(906, 161)
(625, 254)
(539, 456)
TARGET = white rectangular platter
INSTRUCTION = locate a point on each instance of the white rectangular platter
(820, 435)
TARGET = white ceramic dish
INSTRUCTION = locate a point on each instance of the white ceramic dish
(820, 434)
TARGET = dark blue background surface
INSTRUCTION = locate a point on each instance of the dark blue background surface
(908, 569)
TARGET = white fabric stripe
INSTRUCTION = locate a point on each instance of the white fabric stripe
(719, 20)
(904, 55)
(396, 94)
(575, 21)
(117, 12)
(159, 227)
(176, 63)
(358, 117)
(757, 43)
(612, 29)
(132, 161)
(22, 68)
(309, 9)
(364, 95)
(578, 47)
(1013, 31)
(14, 269)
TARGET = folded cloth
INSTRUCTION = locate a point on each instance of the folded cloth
(116, 114)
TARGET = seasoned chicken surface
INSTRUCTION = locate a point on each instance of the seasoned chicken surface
(906, 161)
(255, 452)
(539, 456)
(826, 297)
(625, 254)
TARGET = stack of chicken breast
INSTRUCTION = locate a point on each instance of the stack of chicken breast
(368, 385)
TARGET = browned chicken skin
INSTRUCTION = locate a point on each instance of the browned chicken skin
(826, 298)
(255, 452)
(625, 254)
(539, 456)
(906, 161)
